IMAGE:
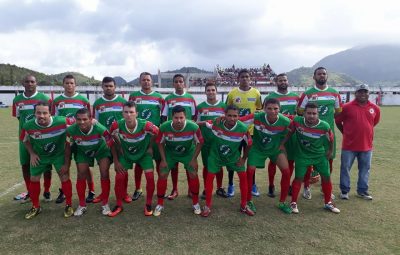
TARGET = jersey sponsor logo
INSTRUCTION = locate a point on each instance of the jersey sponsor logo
(244, 111)
(49, 147)
(224, 150)
(251, 99)
(146, 114)
(90, 153)
(266, 140)
(305, 143)
(110, 120)
(371, 110)
(180, 149)
(323, 110)
(132, 149)
(29, 117)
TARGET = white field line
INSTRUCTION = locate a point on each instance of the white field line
(12, 188)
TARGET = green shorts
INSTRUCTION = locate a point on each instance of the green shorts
(214, 166)
(88, 157)
(321, 165)
(173, 160)
(45, 164)
(258, 158)
(145, 162)
(24, 157)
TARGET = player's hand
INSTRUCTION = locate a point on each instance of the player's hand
(34, 159)
(240, 162)
(193, 164)
(64, 169)
(219, 119)
(118, 167)
(282, 148)
(163, 164)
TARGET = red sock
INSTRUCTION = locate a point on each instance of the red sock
(105, 191)
(80, 189)
(138, 176)
(47, 182)
(126, 183)
(220, 176)
(119, 187)
(327, 190)
(34, 192)
(174, 178)
(331, 165)
(27, 182)
(90, 182)
(243, 188)
(161, 189)
(296, 185)
(209, 189)
(285, 183)
(271, 173)
(205, 176)
(307, 176)
(67, 189)
(194, 186)
(149, 187)
(250, 173)
(291, 167)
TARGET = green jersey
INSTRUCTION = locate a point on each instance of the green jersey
(267, 136)
(23, 106)
(287, 101)
(107, 111)
(311, 141)
(206, 111)
(226, 142)
(179, 142)
(134, 143)
(148, 106)
(90, 143)
(186, 100)
(68, 106)
(49, 141)
(328, 101)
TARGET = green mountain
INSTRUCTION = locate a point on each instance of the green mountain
(185, 70)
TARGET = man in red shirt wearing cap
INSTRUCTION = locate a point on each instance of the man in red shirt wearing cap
(356, 122)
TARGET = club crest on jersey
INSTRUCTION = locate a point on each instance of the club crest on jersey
(237, 100)
(323, 110)
(49, 147)
(170, 137)
(180, 149)
(61, 105)
(37, 135)
(78, 140)
(21, 106)
(314, 97)
(102, 108)
(371, 110)
(146, 114)
(132, 149)
(205, 112)
(138, 100)
(173, 102)
(224, 150)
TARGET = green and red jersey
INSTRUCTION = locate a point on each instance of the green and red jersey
(68, 106)
(134, 143)
(23, 106)
(107, 111)
(207, 111)
(148, 106)
(179, 142)
(186, 100)
(288, 102)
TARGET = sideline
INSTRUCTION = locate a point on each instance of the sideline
(12, 188)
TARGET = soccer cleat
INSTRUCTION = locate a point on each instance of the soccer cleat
(61, 197)
(81, 210)
(26, 199)
(344, 196)
(47, 196)
(252, 206)
(254, 191)
(221, 192)
(98, 199)
(21, 196)
(231, 190)
(206, 211)
(331, 207)
(294, 208)
(307, 193)
(158, 210)
(68, 211)
(90, 197)
(116, 210)
(174, 194)
(148, 211)
(247, 210)
(271, 191)
(364, 195)
(105, 209)
(284, 208)
(203, 195)
(33, 212)
(196, 209)
(127, 199)
(137, 194)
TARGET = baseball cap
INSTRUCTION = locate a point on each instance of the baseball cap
(362, 87)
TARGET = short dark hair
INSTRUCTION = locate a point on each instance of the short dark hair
(209, 84)
(319, 68)
(272, 101)
(243, 71)
(41, 103)
(69, 76)
(231, 107)
(280, 75)
(83, 111)
(311, 105)
(176, 76)
(177, 109)
(108, 79)
(144, 73)
(130, 104)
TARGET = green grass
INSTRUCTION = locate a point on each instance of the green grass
(362, 227)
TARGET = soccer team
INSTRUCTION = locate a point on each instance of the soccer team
(294, 133)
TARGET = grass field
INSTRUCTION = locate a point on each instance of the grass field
(362, 227)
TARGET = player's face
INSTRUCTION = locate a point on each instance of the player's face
(109, 88)
(362, 96)
(179, 85)
(311, 116)
(321, 77)
(211, 92)
(69, 86)
(42, 114)
(145, 82)
(178, 120)
(129, 114)
(84, 122)
(244, 79)
(231, 117)
(282, 83)
(272, 110)
(30, 84)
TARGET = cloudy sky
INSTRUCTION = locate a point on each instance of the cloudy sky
(125, 37)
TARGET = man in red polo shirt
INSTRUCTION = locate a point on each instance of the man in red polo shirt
(356, 122)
